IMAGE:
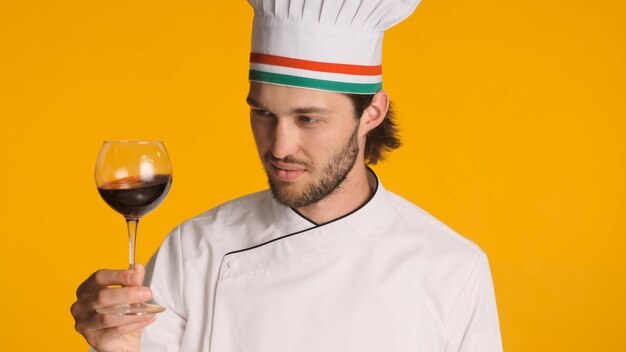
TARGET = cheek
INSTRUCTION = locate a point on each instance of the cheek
(319, 147)
(261, 147)
(260, 133)
(330, 139)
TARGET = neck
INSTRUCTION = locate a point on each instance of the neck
(350, 195)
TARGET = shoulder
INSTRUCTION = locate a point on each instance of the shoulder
(249, 210)
(443, 261)
(203, 239)
(237, 207)
(428, 225)
(438, 245)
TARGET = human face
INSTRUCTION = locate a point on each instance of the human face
(307, 140)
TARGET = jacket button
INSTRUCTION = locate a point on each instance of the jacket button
(233, 264)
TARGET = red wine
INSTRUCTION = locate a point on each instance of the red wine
(133, 197)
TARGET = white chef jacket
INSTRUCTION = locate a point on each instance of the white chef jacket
(253, 275)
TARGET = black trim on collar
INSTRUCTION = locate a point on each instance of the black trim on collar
(314, 227)
(304, 217)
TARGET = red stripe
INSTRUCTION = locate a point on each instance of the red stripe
(315, 65)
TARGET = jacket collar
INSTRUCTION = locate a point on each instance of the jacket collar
(288, 220)
(298, 238)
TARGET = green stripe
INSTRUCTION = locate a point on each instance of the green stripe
(342, 87)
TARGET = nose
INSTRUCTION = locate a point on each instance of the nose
(285, 139)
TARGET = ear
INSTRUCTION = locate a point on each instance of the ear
(374, 114)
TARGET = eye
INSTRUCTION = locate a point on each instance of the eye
(261, 114)
(308, 120)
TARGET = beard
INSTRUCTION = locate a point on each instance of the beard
(334, 173)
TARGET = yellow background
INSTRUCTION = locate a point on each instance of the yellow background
(512, 113)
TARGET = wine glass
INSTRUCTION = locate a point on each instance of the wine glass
(133, 177)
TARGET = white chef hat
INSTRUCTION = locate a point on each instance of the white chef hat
(333, 45)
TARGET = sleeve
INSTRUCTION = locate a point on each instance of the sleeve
(473, 323)
(164, 275)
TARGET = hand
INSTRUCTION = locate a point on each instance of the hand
(106, 332)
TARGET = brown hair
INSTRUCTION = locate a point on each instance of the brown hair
(382, 139)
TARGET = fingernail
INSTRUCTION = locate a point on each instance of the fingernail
(133, 277)
(146, 293)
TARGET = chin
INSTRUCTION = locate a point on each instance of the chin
(287, 193)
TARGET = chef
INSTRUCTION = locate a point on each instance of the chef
(326, 260)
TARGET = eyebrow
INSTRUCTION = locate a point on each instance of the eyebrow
(300, 110)
(310, 110)
(253, 102)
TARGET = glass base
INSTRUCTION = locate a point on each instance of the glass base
(131, 309)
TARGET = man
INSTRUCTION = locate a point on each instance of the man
(327, 259)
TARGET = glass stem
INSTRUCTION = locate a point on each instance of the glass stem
(132, 224)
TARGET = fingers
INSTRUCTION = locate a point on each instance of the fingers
(106, 297)
(94, 293)
(142, 322)
(103, 278)
(112, 296)
(105, 331)
(122, 323)
(116, 332)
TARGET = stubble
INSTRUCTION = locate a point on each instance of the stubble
(333, 175)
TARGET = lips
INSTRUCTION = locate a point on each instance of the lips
(287, 172)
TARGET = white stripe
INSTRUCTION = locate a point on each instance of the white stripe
(327, 76)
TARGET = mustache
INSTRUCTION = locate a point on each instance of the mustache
(289, 159)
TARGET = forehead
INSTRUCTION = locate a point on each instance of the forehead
(282, 98)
